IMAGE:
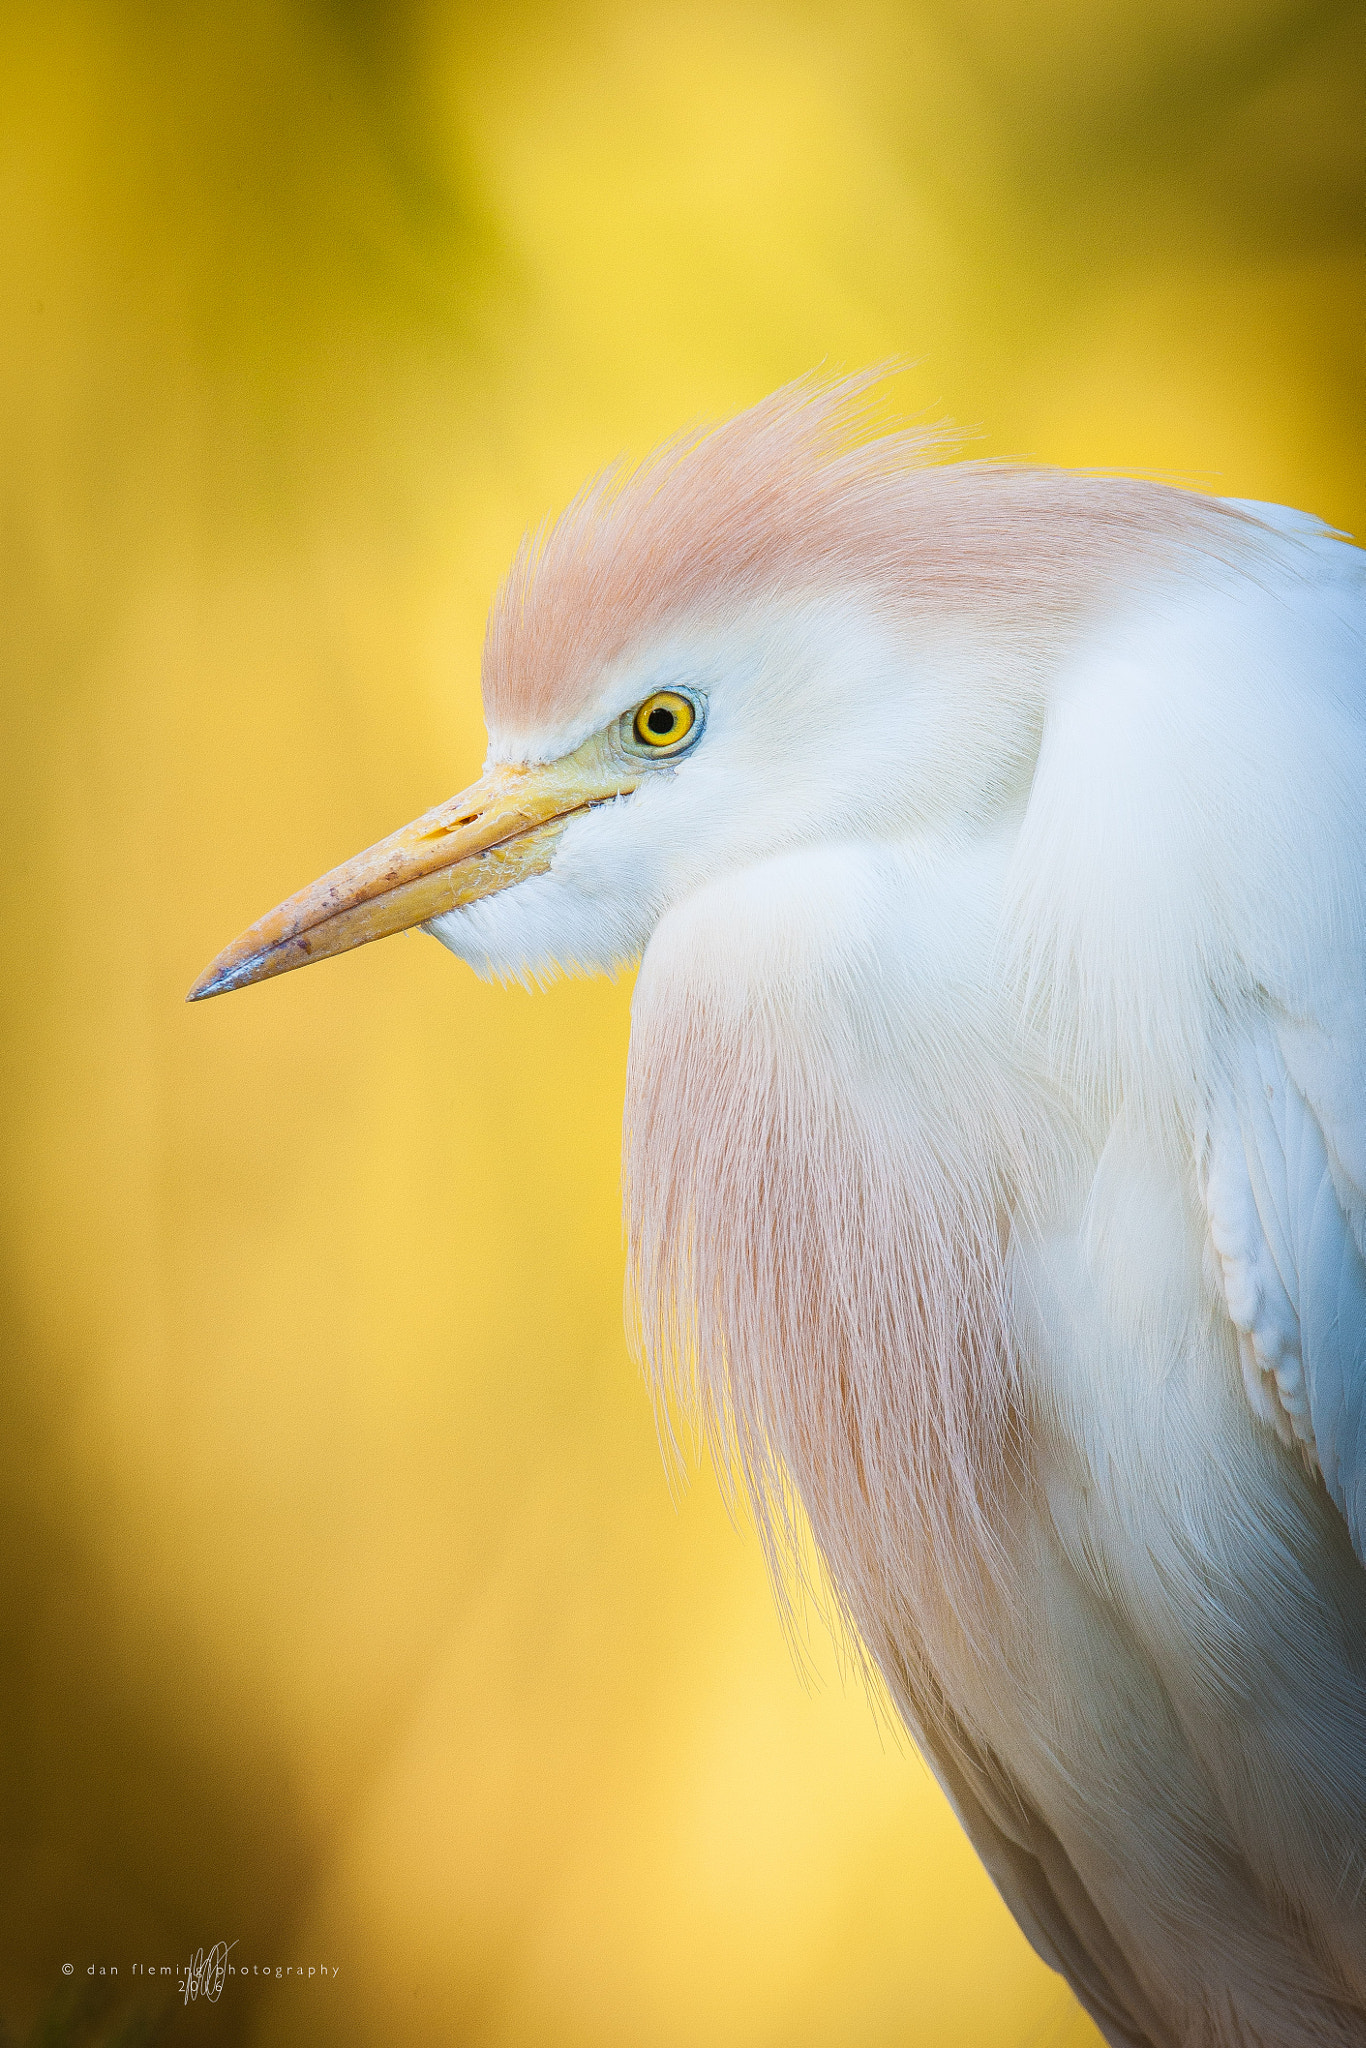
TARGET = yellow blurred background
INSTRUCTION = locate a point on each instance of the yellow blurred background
(345, 1611)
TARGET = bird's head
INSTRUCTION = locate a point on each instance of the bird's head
(776, 637)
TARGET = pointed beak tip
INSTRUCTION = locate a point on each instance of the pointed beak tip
(220, 981)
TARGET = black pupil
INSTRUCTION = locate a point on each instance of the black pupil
(661, 722)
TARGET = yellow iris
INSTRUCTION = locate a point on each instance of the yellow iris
(664, 719)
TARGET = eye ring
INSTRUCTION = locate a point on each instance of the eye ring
(665, 722)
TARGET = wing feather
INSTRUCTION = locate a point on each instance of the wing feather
(1035, 1877)
(1286, 1215)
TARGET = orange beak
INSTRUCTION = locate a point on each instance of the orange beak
(500, 830)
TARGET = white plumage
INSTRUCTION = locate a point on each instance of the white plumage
(996, 1128)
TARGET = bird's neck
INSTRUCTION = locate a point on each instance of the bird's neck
(826, 1133)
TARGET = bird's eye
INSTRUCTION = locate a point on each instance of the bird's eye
(663, 720)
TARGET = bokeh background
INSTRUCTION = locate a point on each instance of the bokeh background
(346, 1611)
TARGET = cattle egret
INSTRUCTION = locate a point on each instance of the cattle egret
(993, 842)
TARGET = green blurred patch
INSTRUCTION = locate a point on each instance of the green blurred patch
(94, 2016)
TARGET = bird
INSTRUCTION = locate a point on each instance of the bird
(991, 840)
